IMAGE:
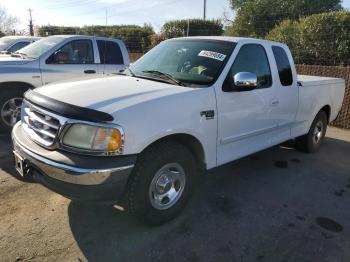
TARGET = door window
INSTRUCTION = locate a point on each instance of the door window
(110, 52)
(74, 52)
(283, 66)
(251, 58)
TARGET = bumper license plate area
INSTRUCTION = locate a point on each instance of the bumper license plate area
(20, 164)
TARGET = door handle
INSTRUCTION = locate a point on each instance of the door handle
(275, 102)
(90, 71)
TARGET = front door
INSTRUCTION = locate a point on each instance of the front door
(72, 61)
(245, 122)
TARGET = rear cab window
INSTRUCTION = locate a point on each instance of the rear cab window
(110, 52)
(283, 66)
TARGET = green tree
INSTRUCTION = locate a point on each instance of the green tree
(257, 17)
(178, 28)
(322, 39)
(290, 32)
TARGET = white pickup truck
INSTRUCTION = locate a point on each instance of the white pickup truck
(188, 105)
(51, 59)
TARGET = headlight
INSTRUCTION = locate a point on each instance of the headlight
(94, 138)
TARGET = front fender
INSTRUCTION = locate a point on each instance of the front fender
(26, 73)
(147, 122)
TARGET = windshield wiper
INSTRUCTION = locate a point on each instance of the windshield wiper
(21, 55)
(17, 55)
(167, 76)
(126, 72)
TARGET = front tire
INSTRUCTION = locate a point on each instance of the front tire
(10, 108)
(161, 183)
(311, 142)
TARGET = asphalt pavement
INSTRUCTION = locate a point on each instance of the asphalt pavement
(276, 205)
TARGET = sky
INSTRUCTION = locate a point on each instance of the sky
(89, 12)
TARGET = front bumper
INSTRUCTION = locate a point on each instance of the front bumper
(78, 177)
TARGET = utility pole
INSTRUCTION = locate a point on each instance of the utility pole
(188, 26)
(205, 9)
(31, 29)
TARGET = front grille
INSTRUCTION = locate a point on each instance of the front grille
(40, 125)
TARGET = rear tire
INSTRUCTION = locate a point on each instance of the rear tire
(161, 183)
(311, 142)
(10, 108)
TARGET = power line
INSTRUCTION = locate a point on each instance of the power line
(71, 4)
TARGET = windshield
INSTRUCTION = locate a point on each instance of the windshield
(5, 42)
(191, 62)
(39, 47)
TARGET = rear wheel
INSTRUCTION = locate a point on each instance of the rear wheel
(10, 108)
(161, 183)
(312, 141)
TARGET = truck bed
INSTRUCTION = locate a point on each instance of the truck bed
(315, 92)
(307, 80)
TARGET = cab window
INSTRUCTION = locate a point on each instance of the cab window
(251, 58)
(74, 52)
(110, 53)
(283, 66)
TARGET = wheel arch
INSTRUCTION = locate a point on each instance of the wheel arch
(190, 141)
(16, 84)
(327, 110)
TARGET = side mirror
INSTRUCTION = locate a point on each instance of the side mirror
(245, 81)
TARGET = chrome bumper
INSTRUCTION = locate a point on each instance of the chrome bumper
(67, 173)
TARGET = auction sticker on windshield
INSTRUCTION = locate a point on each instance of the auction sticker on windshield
(213, 55)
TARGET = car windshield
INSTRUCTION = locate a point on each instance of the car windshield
(190, 62)
(39, 47)
(4, 43)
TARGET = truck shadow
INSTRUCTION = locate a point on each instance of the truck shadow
(251, 209)
(7, 159)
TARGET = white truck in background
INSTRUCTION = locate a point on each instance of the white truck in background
(51, 59)
(11, 44)
(189, 104)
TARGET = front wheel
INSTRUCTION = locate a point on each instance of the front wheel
(10, 108)
(161, 183)
(312, 141)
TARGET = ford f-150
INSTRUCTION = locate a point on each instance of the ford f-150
(188, 105)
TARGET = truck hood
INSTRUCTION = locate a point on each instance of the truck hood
(110, 94)
(10, 60)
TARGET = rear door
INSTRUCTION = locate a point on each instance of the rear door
(245, 120)
(287, 93)
(111, 56)
(73, 60)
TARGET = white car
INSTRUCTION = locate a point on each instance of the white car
(52, 59)
(11, 44)
(188, 105)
